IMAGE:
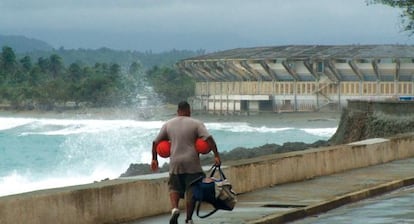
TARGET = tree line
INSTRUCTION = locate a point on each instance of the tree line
(148, 59)
(46, 83)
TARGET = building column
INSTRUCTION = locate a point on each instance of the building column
(339, 95)
(295, 95)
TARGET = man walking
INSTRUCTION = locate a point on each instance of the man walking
(185, 167)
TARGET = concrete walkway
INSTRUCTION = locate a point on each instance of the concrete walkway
(289, 202)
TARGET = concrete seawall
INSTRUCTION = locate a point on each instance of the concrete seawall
(296, 166)
(121, 200)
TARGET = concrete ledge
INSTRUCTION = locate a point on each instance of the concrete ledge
(122, 200)
(335, 203)
(252, 174)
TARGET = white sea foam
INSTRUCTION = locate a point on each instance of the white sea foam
(70, 127)
(243, 127)
(9, 123)
(323, 132)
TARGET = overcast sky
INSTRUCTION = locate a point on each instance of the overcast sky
(162, 25)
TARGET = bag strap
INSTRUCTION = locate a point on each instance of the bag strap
(206, 215)
(213, 171)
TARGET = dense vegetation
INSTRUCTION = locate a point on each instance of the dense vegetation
(123, 58)
(169, 83)
(48, 83)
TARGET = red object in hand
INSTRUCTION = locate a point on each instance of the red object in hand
(164, 149)
(202, 146)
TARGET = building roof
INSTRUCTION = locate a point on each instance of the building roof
(301, 52)
(304, 63)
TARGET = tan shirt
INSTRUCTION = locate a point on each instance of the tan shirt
(183, 131)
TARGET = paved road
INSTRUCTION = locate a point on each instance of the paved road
(293, 201)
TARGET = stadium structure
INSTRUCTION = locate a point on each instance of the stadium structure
(299, 78)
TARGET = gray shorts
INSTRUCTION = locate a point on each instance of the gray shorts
(181, 183)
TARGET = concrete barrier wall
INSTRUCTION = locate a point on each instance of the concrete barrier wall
(104, 202)
(121, 200)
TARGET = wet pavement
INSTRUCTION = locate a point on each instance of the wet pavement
(394, 207)
(295, 201)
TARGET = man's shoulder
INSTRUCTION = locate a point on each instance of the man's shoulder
(195, 120)
(185, 119)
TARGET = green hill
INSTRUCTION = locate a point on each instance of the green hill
(21, 44)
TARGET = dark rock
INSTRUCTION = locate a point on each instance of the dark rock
(235, 154)
(135, 169)
(359, 125)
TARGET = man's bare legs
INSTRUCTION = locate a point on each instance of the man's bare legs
(175, 212)
(190, 205)
(174, 199)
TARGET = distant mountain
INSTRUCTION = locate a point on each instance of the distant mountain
(35, 49)
(22, 44)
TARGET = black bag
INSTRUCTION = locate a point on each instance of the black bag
(215, 191)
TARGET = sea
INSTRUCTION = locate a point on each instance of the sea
(42, 152)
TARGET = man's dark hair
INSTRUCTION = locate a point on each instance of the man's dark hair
(183, 105)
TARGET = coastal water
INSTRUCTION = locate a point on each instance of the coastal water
(47, 152)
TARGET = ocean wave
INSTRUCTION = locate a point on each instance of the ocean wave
(247, 128)
(72, 127)
(243, 127)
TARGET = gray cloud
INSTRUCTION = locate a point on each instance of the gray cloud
(194, 24)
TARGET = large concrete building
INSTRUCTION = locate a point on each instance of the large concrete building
(299, 78)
